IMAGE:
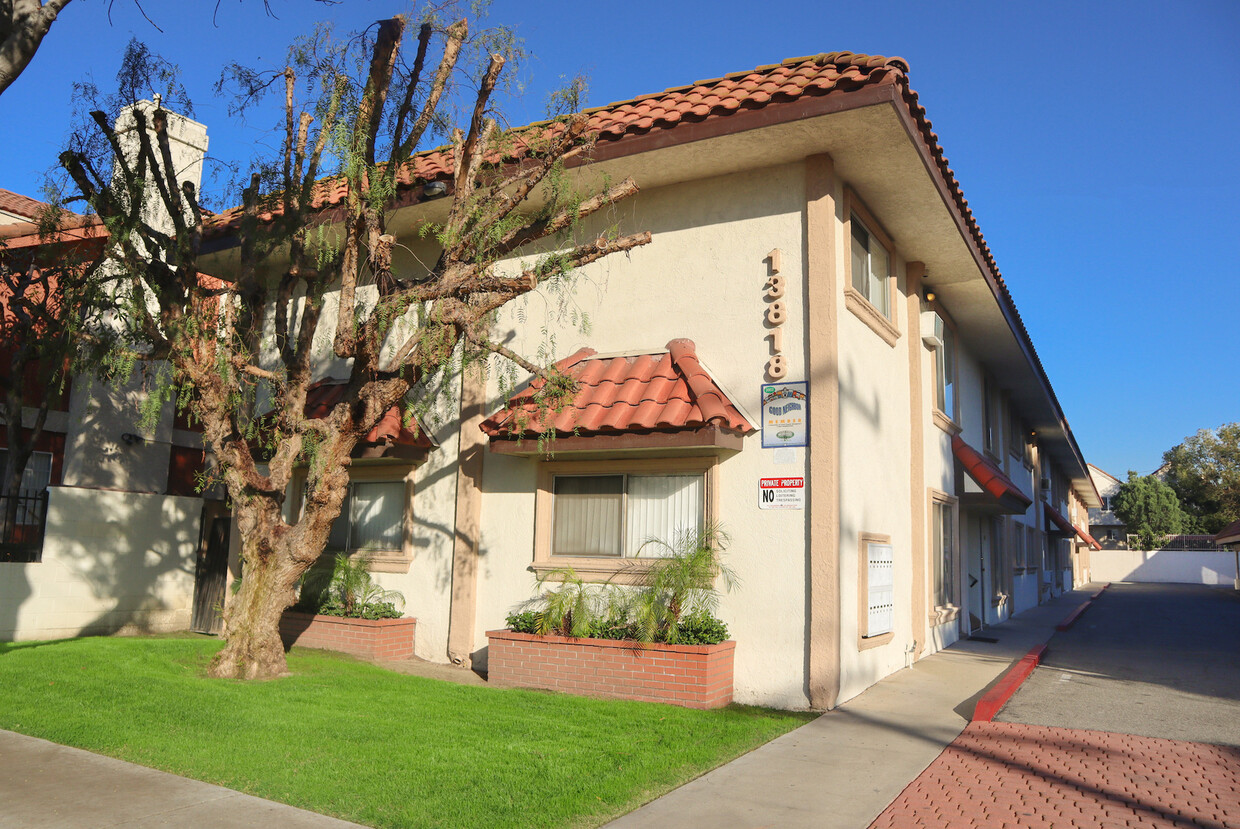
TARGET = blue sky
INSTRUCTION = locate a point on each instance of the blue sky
(1095, 141)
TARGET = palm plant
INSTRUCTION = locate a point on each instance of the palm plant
(680, 583)
(571, 609)
(349, 586)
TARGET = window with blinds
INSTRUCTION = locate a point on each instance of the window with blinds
(619, 515)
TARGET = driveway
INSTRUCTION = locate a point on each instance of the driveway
(1156, 660)
(1133, 719)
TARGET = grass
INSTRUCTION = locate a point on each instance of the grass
(348, 739)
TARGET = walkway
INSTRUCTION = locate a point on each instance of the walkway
(844, 768)
(48, 785)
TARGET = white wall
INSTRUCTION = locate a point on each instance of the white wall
(702, 277)
(1167, 566)
(112, 562)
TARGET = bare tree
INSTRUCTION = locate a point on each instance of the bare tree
(245, 344)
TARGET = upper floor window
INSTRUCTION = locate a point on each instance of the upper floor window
(871, 267)
(945, 374)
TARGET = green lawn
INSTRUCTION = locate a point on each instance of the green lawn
(348, 739)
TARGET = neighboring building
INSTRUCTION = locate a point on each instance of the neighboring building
(122, 526)
(1104, 524)
(806, 229)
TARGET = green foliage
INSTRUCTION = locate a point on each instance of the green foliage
(1204, 471)
(321, 739)
(673, 600)
(348, 590)
(680, 583)
(1150, 509)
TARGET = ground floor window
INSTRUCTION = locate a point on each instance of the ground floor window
(593, 512)
(944, 550)
(376, 517)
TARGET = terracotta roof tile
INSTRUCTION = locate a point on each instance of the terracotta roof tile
(989, 476)
(666, 391)
(20, 205)
(787, 81)
(323, 396)
(1228, 535)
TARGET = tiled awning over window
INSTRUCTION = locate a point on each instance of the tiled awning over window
(662, 392)
(990, 478)
(1067, 528)
(323, 396)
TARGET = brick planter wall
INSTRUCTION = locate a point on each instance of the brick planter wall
(376, 639)
(695, 676)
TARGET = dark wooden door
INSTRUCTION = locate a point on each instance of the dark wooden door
(211, 572)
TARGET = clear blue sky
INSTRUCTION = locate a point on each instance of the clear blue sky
(1096, 143)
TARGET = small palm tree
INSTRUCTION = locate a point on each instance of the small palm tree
(352, 587)
(572, 608)
(680, 583)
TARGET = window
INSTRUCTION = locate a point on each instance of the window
(372, 519)
(375, 517)
(35, 479)
(877, 590)
(617, 515)
(999, 561)
(945, 375)
(1015, 433)
(599, 517)
(991, 441)
(871, 267)
(944, 558)
(1018, 547)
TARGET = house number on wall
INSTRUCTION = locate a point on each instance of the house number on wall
(776, 314)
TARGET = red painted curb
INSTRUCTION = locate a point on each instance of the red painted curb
(994, 699)
(1100, 591)
(1071, 618)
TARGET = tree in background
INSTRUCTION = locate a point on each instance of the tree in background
(1150, 509)
(46, 302)
(307, 286)
(1204, 471)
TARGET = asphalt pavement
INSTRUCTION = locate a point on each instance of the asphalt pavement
(1155, 660)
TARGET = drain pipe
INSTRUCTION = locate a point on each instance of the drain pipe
(908, 654)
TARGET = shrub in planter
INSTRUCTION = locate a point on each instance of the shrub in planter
(566, 639)
(344, 610)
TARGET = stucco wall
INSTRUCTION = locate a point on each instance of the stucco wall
(112, 562)
(874, 479)
(1167, 566)
(702, 277)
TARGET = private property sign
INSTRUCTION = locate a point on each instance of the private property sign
(781, 493)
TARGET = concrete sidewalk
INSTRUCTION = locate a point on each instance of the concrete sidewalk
(43, 784)
(842, 769)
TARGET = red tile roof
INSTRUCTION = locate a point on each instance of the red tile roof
(794, 79)
(20, 205)
(665, 391)
(990, 477)
(323, 396)
(1068, 528)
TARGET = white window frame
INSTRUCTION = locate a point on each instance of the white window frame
(947, 377)
(944, 592)
(877, 309)
(380, 561)
(619, 569)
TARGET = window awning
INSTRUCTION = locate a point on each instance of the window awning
(389, 432)
(667, 393)
(1006, 496)
(1066, 528)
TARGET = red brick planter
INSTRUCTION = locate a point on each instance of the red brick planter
(695, 676)
(368, 638)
